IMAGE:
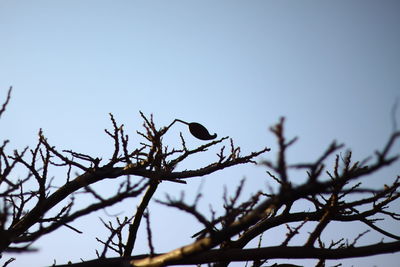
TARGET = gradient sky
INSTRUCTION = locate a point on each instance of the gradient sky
(332, 68)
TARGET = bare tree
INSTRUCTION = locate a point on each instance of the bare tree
(34, 206)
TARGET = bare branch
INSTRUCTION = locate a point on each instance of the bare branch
(252, 254)
(4, 106)
(134, 226)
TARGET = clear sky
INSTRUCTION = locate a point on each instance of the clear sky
(332, 68)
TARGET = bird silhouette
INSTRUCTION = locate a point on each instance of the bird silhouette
(198, 130)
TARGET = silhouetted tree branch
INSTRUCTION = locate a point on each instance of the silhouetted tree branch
(39, 203)
(328, 196)
(231, 255)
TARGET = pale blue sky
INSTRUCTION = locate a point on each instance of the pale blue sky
(331, 67)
